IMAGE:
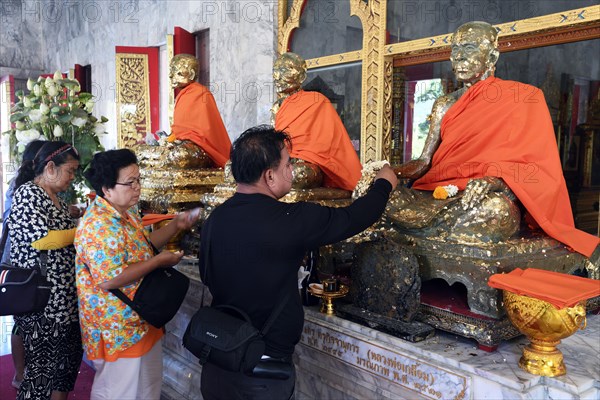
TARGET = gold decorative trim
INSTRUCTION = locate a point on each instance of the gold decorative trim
(337, 59)
(285, 26)
(170, 55)
(373, 18)
(386, 140)
(508, 30)
(133, 99)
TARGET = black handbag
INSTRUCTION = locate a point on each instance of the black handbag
(224, 336)
(159, 295)
(23, 290)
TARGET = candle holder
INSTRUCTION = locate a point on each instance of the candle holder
(327, 297)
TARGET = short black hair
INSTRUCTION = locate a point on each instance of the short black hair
(58, 152)
(255, 151)
(105, 166)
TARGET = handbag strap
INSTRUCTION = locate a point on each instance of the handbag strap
(43, 253)
(282, 297)
(117, 292)
(4, 239)
(122, 296)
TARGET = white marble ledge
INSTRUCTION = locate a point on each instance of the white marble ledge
(581, 354)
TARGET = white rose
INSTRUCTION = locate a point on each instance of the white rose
(20, 147)
(37, 90)
(19, 135)
(99, 129)
(20, 125)
(48, 82)
(32, 134)
(89, 106)
(57, 75)
(52, 90)
(58, 131)
(79, 122)
(44, 109)
(28, 136)
(35, 115)
(30, 83)
(27, 102)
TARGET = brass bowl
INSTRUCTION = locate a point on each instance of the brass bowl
(327, 298)
(545, 326)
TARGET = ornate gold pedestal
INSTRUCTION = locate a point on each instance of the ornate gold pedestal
(174, 177)
(327, 298)
(544, 326)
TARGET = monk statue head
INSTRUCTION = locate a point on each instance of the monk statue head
(183, 70)
(474, 52)
(289, 71)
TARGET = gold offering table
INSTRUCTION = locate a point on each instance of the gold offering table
(339, 359)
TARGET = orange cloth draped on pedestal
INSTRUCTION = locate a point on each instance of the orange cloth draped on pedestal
(560, 290)
(150, 219)
(196, 118)
(319, 136)
(503, 129)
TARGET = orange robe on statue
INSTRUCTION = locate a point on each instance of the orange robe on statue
(503, 129)
(319, 136)
(196, 118)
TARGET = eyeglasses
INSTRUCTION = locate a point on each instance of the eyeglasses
(134, 183)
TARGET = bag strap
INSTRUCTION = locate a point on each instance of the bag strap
(117, 292)
(43, 253)
(122, 296)
(4, 240)
(282, 297)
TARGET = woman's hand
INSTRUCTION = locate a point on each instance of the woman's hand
(167, 258)
(75, 211)
(185, 220)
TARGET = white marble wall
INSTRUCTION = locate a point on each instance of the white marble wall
(47, 35)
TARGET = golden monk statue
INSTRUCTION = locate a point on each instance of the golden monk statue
(196, 117)
(494, 141)
(177, 173)
(319, 139)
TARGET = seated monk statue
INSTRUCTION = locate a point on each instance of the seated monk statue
(196, 117)
(176, 175)
(319, 138)
(494, 140)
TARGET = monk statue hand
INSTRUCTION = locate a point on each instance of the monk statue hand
(475, 192)
(413, 169)
(477, 189)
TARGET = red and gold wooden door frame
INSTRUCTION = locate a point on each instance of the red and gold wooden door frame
(137, 94)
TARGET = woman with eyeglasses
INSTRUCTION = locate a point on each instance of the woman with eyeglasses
(115, 252)
(39, 222)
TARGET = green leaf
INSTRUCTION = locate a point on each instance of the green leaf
(17, 117)
(103, 119)
(64, 118)
(78, 112)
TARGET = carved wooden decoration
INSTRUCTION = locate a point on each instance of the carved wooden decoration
(133, 99)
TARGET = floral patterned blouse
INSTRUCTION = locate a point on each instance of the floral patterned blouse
(32, 216)
(106, 243)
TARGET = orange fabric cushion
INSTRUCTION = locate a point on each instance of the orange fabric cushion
(560, 290)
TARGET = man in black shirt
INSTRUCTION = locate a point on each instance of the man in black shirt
(255, 245)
